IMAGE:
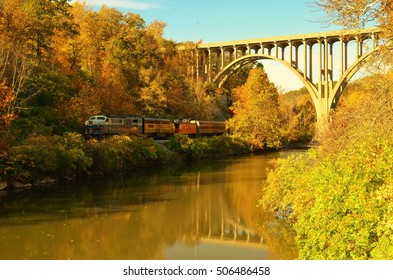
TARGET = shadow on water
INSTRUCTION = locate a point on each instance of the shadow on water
(204, 210)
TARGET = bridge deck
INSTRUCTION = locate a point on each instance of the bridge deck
(297, 37)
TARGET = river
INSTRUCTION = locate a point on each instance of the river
(207, 210)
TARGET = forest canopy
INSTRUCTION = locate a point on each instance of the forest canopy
(61, 63)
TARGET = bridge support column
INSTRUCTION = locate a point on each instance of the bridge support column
(197, 66)
(209, 66)
(326, 91)
(305, 60)
(222, 59)
(322, 107)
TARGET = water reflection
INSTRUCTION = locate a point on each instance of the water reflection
(204, 211)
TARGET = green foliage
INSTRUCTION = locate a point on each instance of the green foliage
(189, 148)
(43, 113)
(341, 203)
(70, 156)
(339, 196)
(73, 159)
(121, 153)
(207, 147)
(41, 157)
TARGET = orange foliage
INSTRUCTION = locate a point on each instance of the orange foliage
(7, 99)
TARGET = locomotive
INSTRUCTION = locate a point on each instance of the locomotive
(157, 128)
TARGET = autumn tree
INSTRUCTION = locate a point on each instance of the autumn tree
(256, 112)
(7, 98)
(299, 117)
(360, 14)
(15, 63)
(239, 78)
(27, 30)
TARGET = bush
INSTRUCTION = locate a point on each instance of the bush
(340, 197)
(187, 147)
(70, 156)
(41, 157)
(342, 203)
(121, 153)
(73, 157)
(207, 147)
(226, 145)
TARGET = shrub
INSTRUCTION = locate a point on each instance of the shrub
(187, 147)
(121, 153)
(45, 156)
(72, 155)
(34, 160)
(207, 147)
(342, 203)
(226, 145)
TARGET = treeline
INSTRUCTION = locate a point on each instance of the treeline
(61, 63)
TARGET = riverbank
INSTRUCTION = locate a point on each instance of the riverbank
(45, 160)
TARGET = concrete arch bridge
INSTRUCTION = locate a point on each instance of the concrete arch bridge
(311, 57)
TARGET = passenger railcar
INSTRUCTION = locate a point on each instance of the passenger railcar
(157, 128)
(209, 128)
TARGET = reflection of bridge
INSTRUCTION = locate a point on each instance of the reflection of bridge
(216, 62)
(231, 233)
(216, 224)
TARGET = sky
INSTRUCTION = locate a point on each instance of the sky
(228, 20)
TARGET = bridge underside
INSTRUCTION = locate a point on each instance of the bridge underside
(325, 83)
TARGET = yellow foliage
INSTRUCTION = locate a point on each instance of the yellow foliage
(256, 114)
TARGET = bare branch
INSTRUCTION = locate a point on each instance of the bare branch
(368, 7)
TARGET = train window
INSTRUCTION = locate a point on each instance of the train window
(98, 120)
(132, 122)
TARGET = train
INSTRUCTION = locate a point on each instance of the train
(158, 128)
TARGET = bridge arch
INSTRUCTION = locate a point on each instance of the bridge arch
(325, 90)
(232, 67)
(347, 76)
(335, 92)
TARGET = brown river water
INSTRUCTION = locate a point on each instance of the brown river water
(203, 211)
